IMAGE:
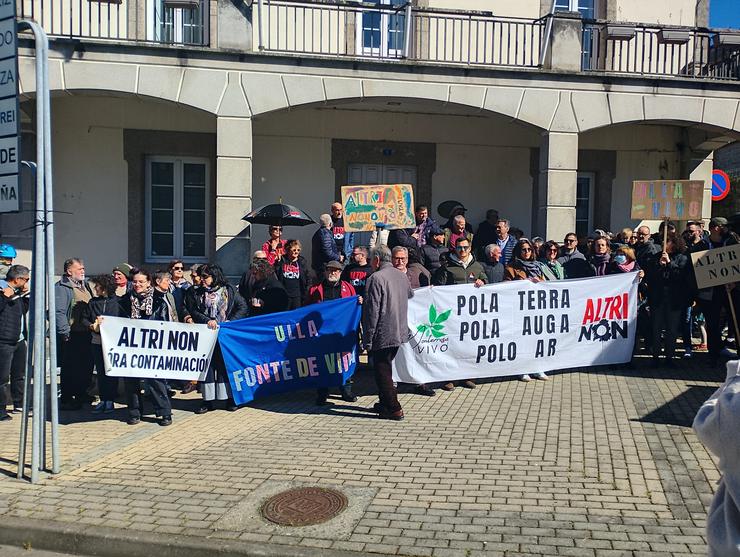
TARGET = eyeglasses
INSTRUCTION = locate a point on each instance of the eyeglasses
(276, 228)
(463, 248)
(570, 240)
(177, 268)
(524, 250)
(553, 249)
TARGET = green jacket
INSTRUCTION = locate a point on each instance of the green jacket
(458, 274)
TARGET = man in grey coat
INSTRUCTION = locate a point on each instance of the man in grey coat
(385, 325)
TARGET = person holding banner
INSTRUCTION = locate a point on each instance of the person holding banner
(143, 304)
(711, 301)
(385, 326)
(104, 303)
(333, 288)
(551, 267)
(524, 266)
(219, 302)
(601, 256)
(668, 292)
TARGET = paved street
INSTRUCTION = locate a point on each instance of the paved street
(600, 463)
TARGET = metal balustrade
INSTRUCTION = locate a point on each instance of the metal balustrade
(391, 31)
(163, 21)
(660, 51)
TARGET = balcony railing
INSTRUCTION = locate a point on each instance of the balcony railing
(162, 21)
(660, 51)
(395, 30)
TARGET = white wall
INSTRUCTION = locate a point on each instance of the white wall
(664, 12)
(479, 160)
(91, 176)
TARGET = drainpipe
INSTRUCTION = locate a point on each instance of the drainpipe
(548, 34)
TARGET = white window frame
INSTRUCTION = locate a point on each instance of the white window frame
(573, 6)
(153, 25)
(383, 51)
(591, 176)
(177, 207)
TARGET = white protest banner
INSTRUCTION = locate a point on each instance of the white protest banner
(716, 267)
(462, 332)
(156, 349)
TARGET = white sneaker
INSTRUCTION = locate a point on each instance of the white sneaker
(526, 378)
(541, 376)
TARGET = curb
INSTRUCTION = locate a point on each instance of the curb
(103, 541)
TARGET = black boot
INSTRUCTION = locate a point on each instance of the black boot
(347, 394)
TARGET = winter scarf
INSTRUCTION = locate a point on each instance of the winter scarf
(600, 261)
(142, 304)
(216, 302)
(531, 268)
(626, 267)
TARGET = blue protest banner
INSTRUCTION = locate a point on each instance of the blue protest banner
(307, 348)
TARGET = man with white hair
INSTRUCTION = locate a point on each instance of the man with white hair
(458, 230)
(342, 238)
(323, 246)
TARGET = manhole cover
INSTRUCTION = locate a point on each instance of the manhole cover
(304, 506)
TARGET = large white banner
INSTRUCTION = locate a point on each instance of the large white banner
(156, 349)
(511, 328)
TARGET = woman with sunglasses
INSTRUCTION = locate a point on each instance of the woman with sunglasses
(144, 303)
(551, 267)
(293, 273)
(524, 266)
(274, 247)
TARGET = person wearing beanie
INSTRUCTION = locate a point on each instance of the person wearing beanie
(121, 274)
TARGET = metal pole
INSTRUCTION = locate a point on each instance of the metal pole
(39, 263)
(26, 375)
(548, 31)
(407, 32)
(260, 44)
(50, 253)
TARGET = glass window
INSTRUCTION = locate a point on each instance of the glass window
(586, 7)
(177, 208)
(584, 207)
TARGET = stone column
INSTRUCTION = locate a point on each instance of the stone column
(566, 43)
(233, 193)
(557, 185)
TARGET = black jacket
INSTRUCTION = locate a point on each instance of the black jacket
(670, 283)
(273, 295)
(11, 318)
(494, 272)
(102, 306)
(236, 307)
(304, 280)
(159, 309)
(430, 256)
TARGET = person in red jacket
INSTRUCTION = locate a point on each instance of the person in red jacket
(332, 288)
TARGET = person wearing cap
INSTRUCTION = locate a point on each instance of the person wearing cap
(14, 303)
(434, 250)
(121, 274)
(711, 301)
(7, 254)
(332, 287)
(505, 241)
(457, 210)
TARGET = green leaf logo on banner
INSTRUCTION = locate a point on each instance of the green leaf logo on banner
(434, 327)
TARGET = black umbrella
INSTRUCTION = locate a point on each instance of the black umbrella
(279, 214)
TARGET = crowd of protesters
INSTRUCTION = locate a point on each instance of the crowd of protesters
(367, 265)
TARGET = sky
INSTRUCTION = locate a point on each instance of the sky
(724, 13)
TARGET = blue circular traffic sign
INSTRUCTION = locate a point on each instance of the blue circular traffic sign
(720, 185)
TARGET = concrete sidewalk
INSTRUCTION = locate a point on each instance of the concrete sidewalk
(595, 463)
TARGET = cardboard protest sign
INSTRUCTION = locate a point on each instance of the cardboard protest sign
(156, 349)
(673, 199)
(308, 348)
(462, 332)
(366, 207)
(716, 267)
